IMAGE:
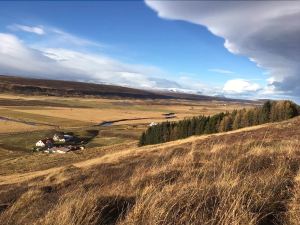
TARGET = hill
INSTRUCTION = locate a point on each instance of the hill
(31, 86)
(245, 176)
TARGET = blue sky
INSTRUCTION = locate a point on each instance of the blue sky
(129, 39)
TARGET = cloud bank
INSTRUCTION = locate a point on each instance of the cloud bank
(238, 86)
(267, 32)
(60, 55)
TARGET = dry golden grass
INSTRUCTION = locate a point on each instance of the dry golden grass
(144, 114)
(74, 204)
(12, 127)
(96, 110)
(93, 115)
(294, 205)
(243, 177)
(19, 167)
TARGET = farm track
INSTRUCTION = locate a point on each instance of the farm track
(26, 122)
(111, 122)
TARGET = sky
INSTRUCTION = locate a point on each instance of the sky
(238, 49)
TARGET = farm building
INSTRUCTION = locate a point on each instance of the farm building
(68, 137)
(45, 143)
(152, 124)
(63, 150)
(60, 137)
(169, 114)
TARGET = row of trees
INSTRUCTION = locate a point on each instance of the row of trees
(271, 111)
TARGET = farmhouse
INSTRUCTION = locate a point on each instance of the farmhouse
(60, 137)
(45, 143)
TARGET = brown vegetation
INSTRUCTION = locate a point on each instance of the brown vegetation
(20, 113)
(248, 176)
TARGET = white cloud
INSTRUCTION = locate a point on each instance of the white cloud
(61, 55)
(17, 58)
(54, 36)
(31, 29)
(268, 32)
(221, 71)
(239, 86)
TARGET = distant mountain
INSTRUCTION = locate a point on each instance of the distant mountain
(32, 86)
(220, 96)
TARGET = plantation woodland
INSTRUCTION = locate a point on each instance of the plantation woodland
(270, 111)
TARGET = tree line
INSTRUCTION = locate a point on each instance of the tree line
(270, 111)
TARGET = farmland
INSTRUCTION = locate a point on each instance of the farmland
(247, 176)
(203, 178)
(26, 119)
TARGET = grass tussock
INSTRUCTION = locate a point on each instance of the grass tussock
(219, 180)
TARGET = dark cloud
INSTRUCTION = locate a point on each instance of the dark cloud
(268, 32)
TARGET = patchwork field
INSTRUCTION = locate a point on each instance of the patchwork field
(26, 119)
(43, 109)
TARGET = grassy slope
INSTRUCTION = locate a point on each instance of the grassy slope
(248, 176)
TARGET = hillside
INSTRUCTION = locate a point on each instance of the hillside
(246, 176)
(31, 86)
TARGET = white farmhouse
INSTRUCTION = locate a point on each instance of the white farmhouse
(40, 143)
(45, 143)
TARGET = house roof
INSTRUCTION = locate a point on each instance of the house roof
(67, 136)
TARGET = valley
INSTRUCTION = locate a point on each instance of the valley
(243, 176)
(149, 112)
(252, 171)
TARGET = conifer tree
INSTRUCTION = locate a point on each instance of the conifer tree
(221, 122)
(265, 112)
(237, 121)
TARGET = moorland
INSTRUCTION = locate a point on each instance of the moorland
(243, 176)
